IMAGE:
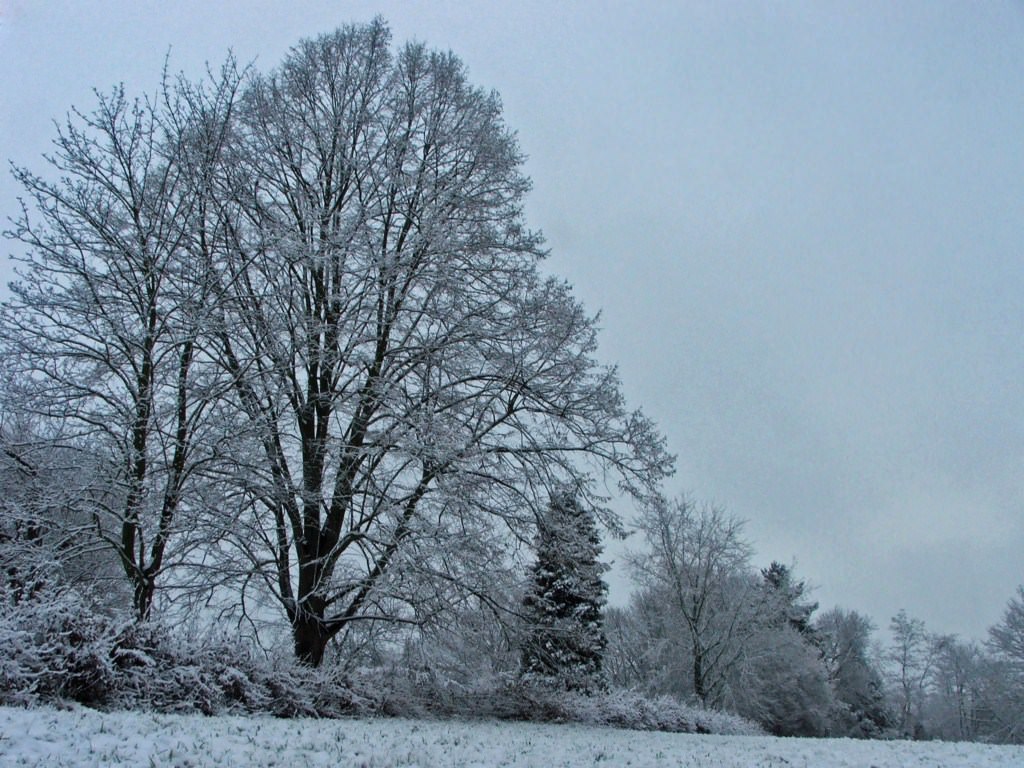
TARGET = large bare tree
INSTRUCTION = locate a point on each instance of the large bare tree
(301, 323)
(413, 387)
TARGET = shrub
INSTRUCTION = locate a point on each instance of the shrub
(63, 649)
(55, 649)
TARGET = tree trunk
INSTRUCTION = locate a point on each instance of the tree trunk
(699, 683)
(145, 587)
(310, 632)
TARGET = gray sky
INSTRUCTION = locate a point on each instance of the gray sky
(803, 224)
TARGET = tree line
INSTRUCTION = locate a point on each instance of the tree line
(704, 623)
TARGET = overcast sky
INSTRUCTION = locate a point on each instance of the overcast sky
(803, 225)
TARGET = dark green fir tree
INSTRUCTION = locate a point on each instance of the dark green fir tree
(564, 638)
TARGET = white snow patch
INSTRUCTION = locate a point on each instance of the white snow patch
(83, 737)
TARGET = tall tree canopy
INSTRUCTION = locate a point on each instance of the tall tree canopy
(316, 286)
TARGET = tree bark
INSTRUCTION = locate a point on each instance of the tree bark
(699, 684)
(310, 632)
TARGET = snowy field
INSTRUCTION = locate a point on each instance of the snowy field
(46, 737)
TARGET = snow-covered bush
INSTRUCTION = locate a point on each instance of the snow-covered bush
(59, 647)
(626, 709)
(160, 670)
(419, 693)
(54, 649)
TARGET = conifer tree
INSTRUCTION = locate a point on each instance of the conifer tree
(790, 596)
(565, 639)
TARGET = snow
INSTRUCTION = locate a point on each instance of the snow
(84, 737)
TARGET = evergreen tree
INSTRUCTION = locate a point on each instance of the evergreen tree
(790, 595)
(564, 639)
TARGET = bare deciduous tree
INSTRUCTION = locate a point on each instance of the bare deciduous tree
(409, 380)
(1004, 691)
(958, 677)
(1006, 638)
(912, 657)
(301, 324)
(699, 563)
(102, 335)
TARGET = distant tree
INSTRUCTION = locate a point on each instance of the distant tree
(626, 648)
(697, 562)
(647, 648)
(1004, 688)
(782, 682)
(564, 639)
(784, 685)
(845, 639)
(47, 500)
(704, 624)
(911, 658)
(957, 693)
(789, 595)
(29, 516)
(1006, 638)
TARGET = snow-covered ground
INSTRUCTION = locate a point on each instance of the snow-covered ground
(83, 737)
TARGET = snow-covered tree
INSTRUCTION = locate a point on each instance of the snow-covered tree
(911, 660)
(407, 378)
(298, 320)
(783, 684)
(788, 595)
(47, 500)
(102, 337)
(781, 681)
(1004, 689)
(952, 713)
(646, 647)
(845, 641)
(697, 564)
(1006, 638)
(564, 638)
